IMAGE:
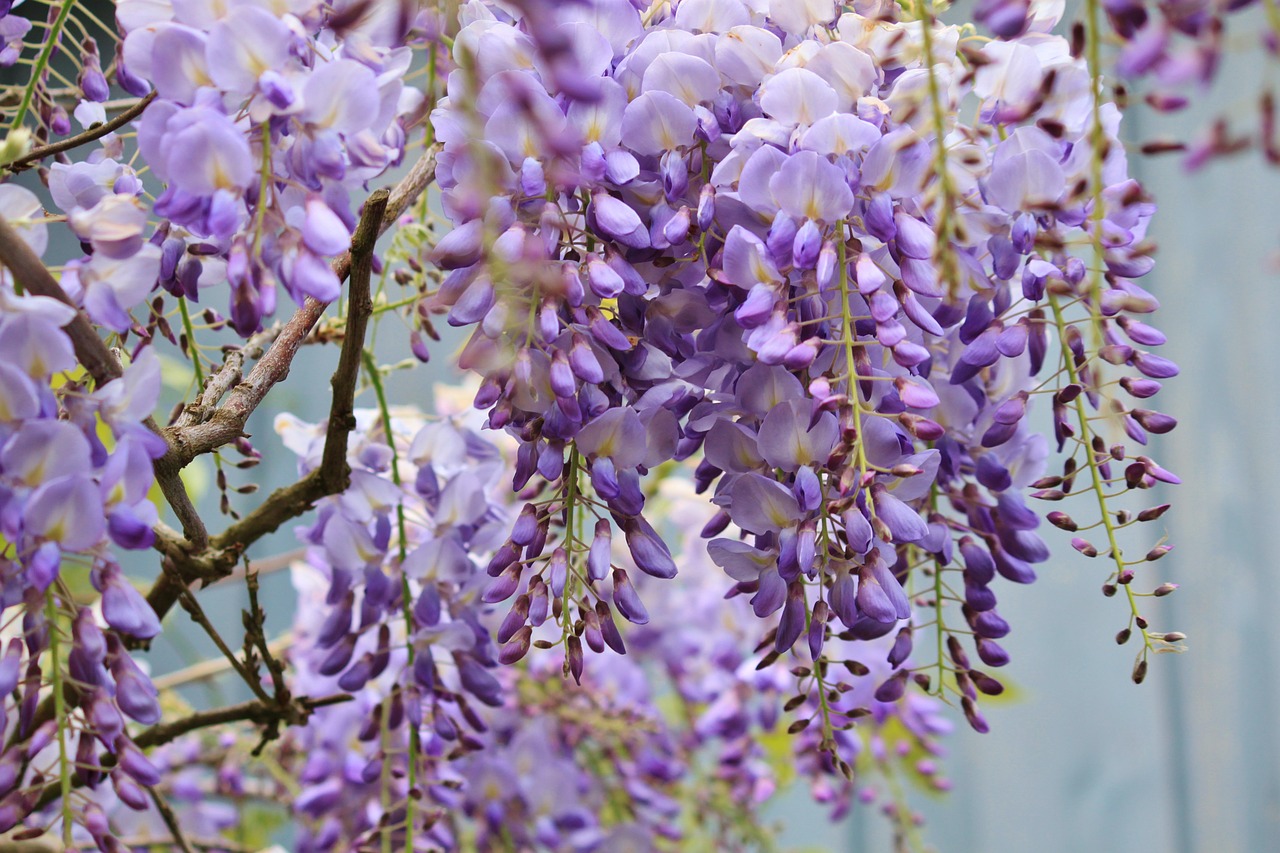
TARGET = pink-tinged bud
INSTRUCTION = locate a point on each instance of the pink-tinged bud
(1164, 589)
(976, 721)
(1062, 521)
(1159, 473)
(921, 427)
(517, 647)
(1084, 547)
(1140, 387)
(419, 347)
(1158, 552)
(1156, 422)
(503, 586)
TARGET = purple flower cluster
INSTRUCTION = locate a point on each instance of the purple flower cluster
(390, 610)
(552, 766)
(75, 470)
(771, 238)
(265, 120)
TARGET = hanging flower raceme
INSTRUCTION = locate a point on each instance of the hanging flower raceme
(75, 472)
(772, 239)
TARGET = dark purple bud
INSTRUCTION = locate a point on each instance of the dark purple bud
(901, 649)
(791, 623)
(426, 610)
(989, 624)
(991, 652)
(514, 620)
(517, 647)
(129, 792)
(978, 597)
(478, 681)
(338, 623)
(626, 599)
(337, 660)
(1154, 366)
(1013, 568)
(893, 689)
(609, 628)
(133, 762)
(985, 683)
(358, 675)
(503, 558)
(11, 666)
(573, 660)
(504, 585)
(650, 553)
(818, 628)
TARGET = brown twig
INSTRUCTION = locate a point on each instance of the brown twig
(93, 133)
(227, 423)
(170, 820)
(226, 377)
(333, 473)
(256, 711)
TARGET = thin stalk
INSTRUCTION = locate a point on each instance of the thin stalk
(42, 63)
(375, 380)
(60, 715)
